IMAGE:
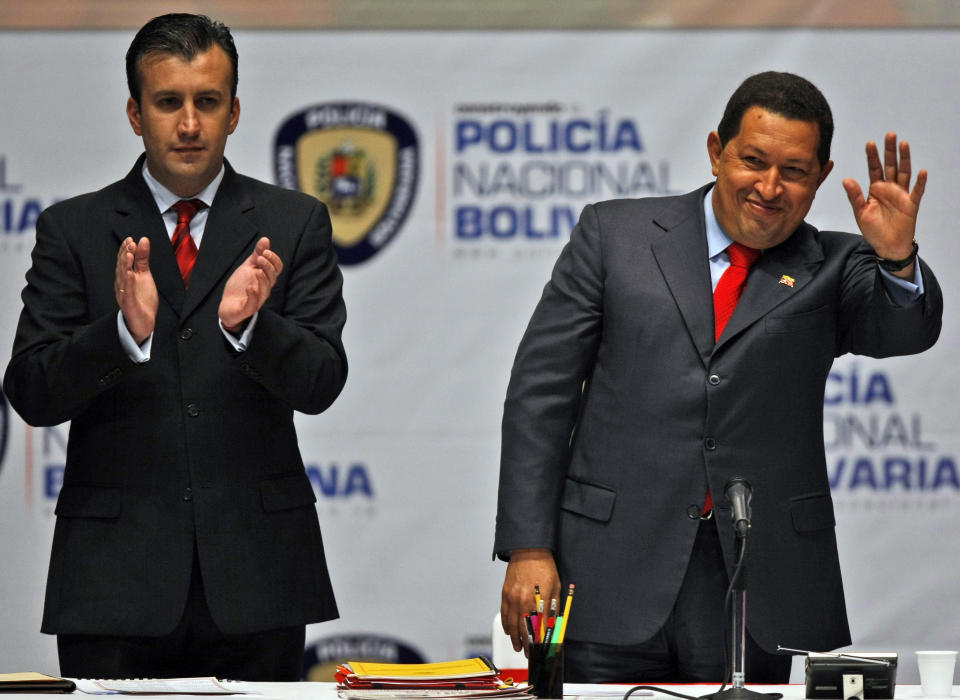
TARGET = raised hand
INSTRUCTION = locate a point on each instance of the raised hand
(887, 218)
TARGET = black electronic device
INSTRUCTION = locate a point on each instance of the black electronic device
(836, 675)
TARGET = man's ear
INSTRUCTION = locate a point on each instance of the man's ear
(133, 114)
(714, 148)
(234, 115)
(823, 173)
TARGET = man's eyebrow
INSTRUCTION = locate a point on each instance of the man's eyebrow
(759, 151)
(179, 93)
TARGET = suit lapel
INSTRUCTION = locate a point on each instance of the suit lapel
(780, 273)
(226, 237)
(138, 217)
(681, 255)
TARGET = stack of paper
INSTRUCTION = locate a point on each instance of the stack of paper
(32, 682)
(467, 678)
(162, 686)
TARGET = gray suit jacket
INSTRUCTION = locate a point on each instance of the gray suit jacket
(622, 410)
(196, 448)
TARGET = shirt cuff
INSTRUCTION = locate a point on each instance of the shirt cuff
(903, 292)
(243, 342)
(137, 353)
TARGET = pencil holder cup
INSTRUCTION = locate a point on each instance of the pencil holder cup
(545, 667)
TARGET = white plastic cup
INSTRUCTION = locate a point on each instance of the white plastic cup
(936, 672)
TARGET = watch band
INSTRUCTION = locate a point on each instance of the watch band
(897, 265)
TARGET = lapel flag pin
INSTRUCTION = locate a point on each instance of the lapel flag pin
(787, 280)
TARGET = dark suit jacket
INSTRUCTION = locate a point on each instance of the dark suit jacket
(620, 355)
(195, 448)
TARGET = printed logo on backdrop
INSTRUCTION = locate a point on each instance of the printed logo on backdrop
(19, 211)
(343, 488)
(361, 160)
(519, 174)
(321, 658)
(46, 454)
(877, 453)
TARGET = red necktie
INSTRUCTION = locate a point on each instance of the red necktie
(731, 284)
(183, 245)
(725, 298)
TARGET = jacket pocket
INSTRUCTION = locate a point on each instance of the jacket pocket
(797, 323)
(590, 500)
(284, 493)
(812, 512)
(88, 502)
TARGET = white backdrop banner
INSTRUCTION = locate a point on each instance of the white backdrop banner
(455, 164)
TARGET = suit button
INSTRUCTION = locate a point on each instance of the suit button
(693, 512)
(193, 410)
(714, 379)
(186, 334)
(188, 494)
(710, 443)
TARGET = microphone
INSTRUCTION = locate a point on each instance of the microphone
(739, 493)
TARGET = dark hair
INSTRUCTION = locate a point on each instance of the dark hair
(182, 35)
(785, 94)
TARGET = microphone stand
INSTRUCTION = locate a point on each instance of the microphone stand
(738, 587)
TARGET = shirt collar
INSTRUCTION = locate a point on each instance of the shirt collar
(165, 199)
(717, 240)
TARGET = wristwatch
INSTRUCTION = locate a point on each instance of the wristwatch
(897, 265)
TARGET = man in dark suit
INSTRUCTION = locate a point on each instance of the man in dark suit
(187, 541)
(630, 406)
